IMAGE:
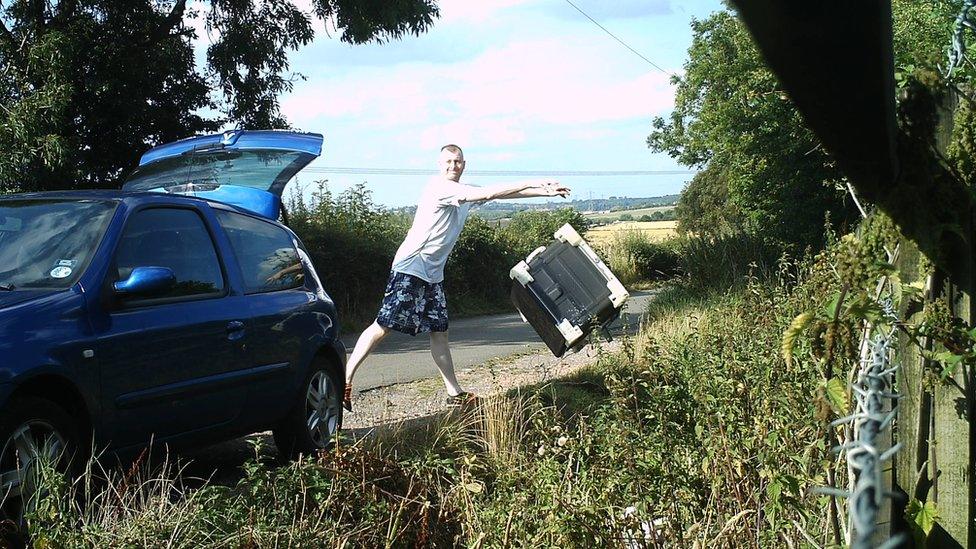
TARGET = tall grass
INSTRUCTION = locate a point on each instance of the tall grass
(703, 263)
(696, 434)
(635, 259)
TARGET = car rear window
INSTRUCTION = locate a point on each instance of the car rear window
(265, 252)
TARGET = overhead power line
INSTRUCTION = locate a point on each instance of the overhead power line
(345, 170)
(622, 43)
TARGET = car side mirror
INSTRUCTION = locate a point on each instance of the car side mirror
(145, 280)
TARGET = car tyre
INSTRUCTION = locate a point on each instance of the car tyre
(316, 416)
(32, 428)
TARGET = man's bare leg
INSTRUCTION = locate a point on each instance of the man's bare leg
(364, 345)
(441, 351)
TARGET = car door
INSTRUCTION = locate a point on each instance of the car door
(281, 308)
(168, 361)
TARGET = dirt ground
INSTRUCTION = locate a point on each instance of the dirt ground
(386, 407)
(383, 406)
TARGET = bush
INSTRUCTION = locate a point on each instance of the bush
(702, 263)
(725, 262)
(635, 258)
(531, 228)
(476, 276)
(352, 243)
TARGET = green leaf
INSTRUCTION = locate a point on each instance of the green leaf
(793, 331)
(866, 310)
(773, 490)
(947, 358)
(831, 308)
(836, 392)
(927, 517)
(922, 518)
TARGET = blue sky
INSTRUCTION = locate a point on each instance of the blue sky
(518, 84)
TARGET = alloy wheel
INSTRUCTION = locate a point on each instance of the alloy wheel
(322, 408)
(32, 443)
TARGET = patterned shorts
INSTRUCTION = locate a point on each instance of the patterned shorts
(412, 305)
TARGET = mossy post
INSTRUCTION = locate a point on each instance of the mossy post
(835, 59)
(935, 415)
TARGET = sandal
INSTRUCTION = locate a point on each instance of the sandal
(461, 399)
(347, 397)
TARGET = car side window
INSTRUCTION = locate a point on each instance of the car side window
(175, 238)
(266, 253)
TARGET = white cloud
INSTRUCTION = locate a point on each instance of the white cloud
(489, 99)
(474, 132)
(478, 11)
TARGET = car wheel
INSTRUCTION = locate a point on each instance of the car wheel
(316, 417)
(32, 430)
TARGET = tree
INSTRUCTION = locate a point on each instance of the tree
(704, 207)
(90, 84)
(732, 118)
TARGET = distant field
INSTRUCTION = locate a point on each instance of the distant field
(655, 230)
(604, 216)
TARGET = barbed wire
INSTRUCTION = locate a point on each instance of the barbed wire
(874, 409)
(957, 51)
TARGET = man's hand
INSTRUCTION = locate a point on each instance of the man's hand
(551, 187)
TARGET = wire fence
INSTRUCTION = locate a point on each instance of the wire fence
(874, 408)
(868, 429)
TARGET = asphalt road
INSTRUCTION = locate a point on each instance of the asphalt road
(400, 358)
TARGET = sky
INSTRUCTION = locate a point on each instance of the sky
(520, 85)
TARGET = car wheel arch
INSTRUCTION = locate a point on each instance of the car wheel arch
(60, 391)
(329, 354)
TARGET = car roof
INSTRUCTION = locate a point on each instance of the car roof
(129, 196)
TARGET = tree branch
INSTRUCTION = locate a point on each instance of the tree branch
(6, 36)
(173, 19)
(38, 8)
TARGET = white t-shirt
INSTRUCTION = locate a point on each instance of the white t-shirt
(436, 226)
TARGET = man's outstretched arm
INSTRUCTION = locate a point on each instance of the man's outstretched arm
(518, 189)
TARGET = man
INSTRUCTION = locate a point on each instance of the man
(414, 301)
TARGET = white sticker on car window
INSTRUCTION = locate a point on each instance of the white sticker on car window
(66, 263)
(61, 272)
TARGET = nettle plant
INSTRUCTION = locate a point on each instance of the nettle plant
(860, 291)
(863, 288)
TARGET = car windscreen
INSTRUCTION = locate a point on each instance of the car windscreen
(48, 243)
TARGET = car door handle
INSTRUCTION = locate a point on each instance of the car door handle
(235, 330)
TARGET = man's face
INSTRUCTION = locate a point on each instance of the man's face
(451, 165)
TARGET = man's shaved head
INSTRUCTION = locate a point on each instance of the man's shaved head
(453, 148)
(451, 162)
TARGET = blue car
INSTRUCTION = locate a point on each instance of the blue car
(177, 310)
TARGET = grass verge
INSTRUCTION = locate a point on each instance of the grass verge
(697, 433)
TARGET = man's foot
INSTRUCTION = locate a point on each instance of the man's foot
(347, 397)
(461, 399)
